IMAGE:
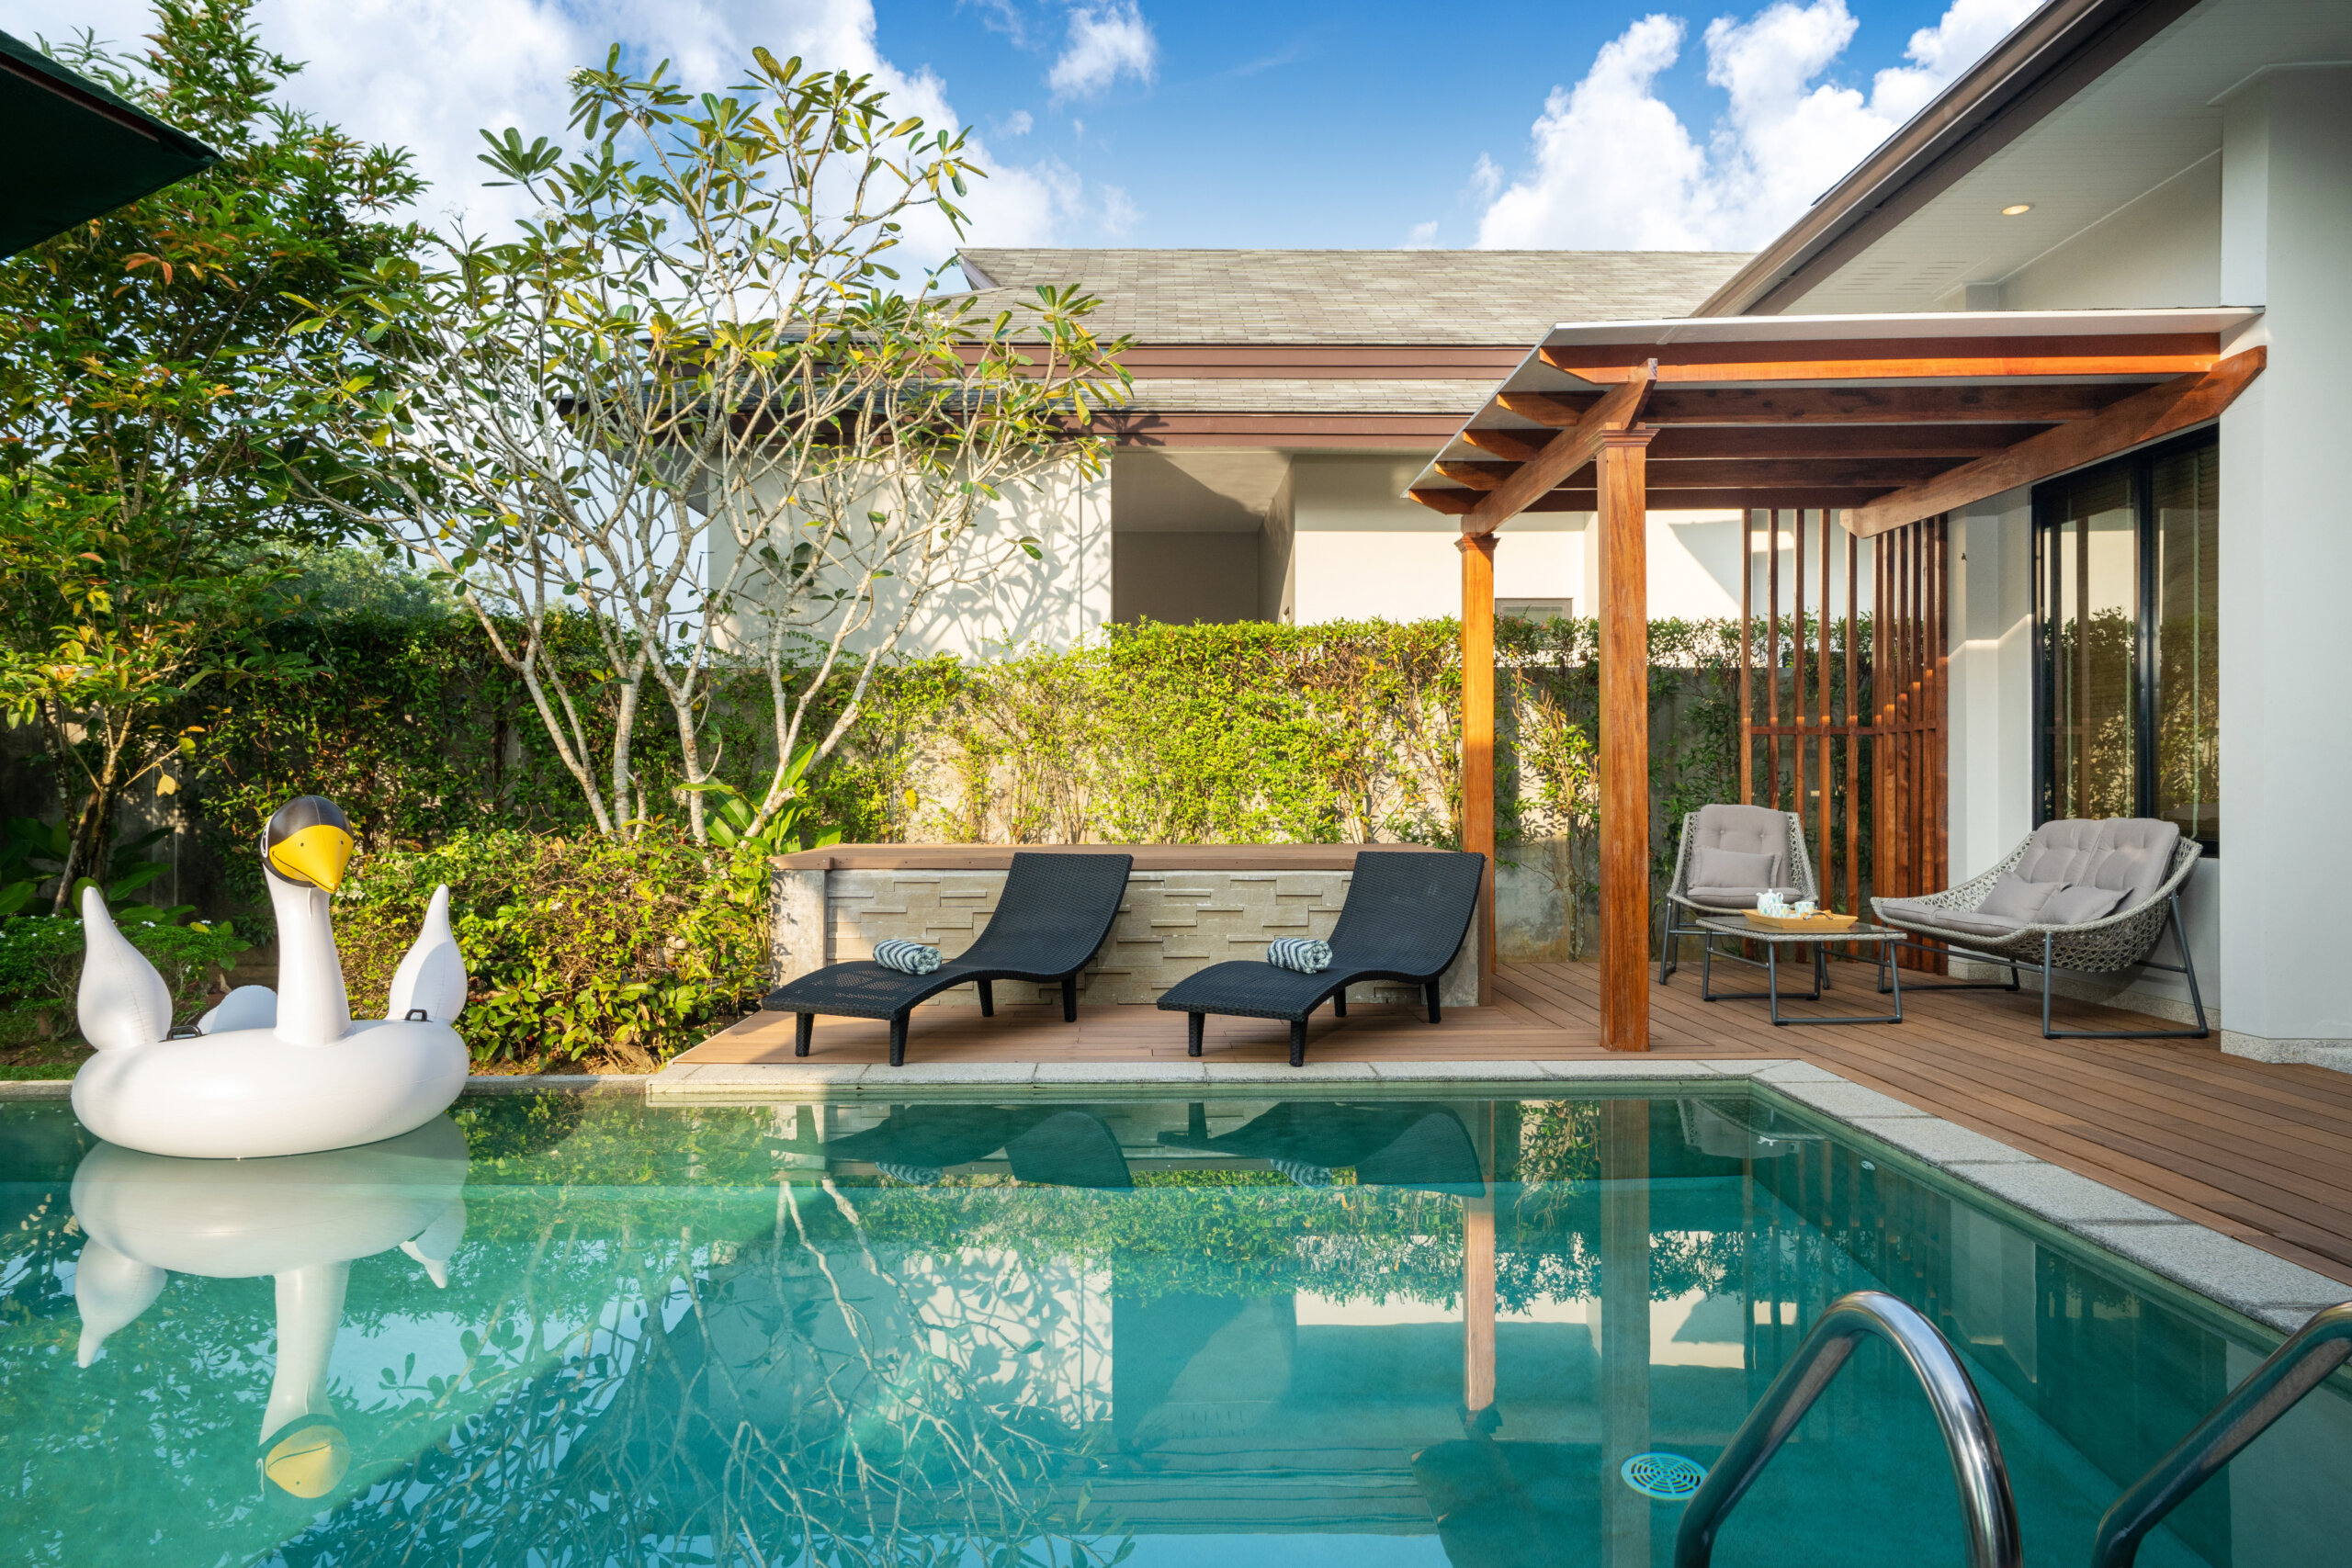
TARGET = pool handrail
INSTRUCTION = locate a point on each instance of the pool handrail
(1987, 1508)
(2247, 1411)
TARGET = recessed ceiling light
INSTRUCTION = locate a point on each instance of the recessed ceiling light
(2017, 209)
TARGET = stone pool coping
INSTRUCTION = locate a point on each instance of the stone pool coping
(2232, 1273)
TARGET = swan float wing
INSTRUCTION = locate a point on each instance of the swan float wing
(433, 974)
(121, 1001)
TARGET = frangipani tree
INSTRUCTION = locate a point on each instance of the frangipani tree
(694, 404)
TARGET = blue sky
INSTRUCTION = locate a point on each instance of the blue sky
(1314, 124)
(1598, 125)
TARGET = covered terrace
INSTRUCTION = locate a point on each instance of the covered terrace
(1887, 422)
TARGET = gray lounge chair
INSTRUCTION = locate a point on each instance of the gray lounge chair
(2042, 905)
(1052, 916)
(1732, 855)
(1406, 915)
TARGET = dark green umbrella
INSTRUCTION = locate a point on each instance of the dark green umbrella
(80, 150)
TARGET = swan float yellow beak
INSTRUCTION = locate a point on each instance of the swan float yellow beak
(309, 841)
(309, 1461)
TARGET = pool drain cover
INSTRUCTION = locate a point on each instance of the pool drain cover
(1669, 1478)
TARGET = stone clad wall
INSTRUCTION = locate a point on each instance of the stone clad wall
(1170, 924)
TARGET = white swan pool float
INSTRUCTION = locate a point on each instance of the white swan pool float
(288, 1072)
(301, 1221)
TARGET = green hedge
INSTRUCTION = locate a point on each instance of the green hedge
(1246, 733)
(41, 958)
(615, 954)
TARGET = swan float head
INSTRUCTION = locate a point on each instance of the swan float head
(273, 1072)
(309, 842)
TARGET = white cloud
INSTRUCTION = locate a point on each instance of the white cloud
(1119, 211)
(1486, 178)
(1106, 41)
(427, 74)
(1615, 167)
(1020, 122)
(1423, 237)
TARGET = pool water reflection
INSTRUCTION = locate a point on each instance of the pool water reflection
(555, 1330)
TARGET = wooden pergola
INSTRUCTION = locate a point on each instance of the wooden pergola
(1893, 421)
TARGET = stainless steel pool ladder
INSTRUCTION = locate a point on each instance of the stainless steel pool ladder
(1986, 1506)
(2271, 1390)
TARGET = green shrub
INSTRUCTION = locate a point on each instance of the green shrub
(619, 953)
(41, 958)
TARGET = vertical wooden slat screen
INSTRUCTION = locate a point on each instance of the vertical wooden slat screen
(1902, 723)
(1747, 658)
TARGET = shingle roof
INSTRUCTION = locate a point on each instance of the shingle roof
(1455, 297)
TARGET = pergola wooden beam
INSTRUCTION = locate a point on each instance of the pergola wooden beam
(1624, 741)
(1561, 457)
(1582, 496)
(2165, 354)
(2040, 403)
(2137, 420)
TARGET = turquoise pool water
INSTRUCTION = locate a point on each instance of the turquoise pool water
(1245, 1332)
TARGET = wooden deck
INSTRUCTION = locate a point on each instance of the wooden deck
(2257, 1151)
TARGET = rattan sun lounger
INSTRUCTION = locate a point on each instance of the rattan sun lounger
(1052, 916)
(1406, 915)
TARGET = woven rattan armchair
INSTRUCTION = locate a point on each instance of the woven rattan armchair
(1406, 915)
(1750, 829)
(1052, 916)
(2125, 939)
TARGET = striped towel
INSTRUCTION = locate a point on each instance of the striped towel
(1303, 953)
(906, 957)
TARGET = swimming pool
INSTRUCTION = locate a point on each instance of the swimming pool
(1238, 1332)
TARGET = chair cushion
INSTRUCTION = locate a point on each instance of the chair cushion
(2132, 855)
(2076, 905)
(1919, 912)
(2014, 898)
(1736, 897)
(1713, 867)
(1745, 830)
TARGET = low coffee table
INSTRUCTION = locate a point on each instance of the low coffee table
(1745, 929)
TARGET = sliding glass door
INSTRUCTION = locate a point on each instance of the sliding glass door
(2126, 591)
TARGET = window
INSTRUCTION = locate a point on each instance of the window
(2126, 591)
(1537, 609)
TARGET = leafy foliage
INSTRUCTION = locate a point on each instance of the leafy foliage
(604, 950)
(41, 957)
(141, 386)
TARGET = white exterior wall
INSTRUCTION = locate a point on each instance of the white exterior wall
(1360, 549)
(2286, 556)
(1054, 602)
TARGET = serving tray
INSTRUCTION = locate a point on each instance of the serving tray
(1819, 920)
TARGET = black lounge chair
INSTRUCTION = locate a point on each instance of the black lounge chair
(1060, 1148)
(1394, 1143)
(1407, 913)
(1052, 916)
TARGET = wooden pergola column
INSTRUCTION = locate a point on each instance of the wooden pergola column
(1478, 734)
(1622, 482)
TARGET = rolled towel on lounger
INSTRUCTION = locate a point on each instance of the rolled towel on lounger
(906, 957)
(1303, 953)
